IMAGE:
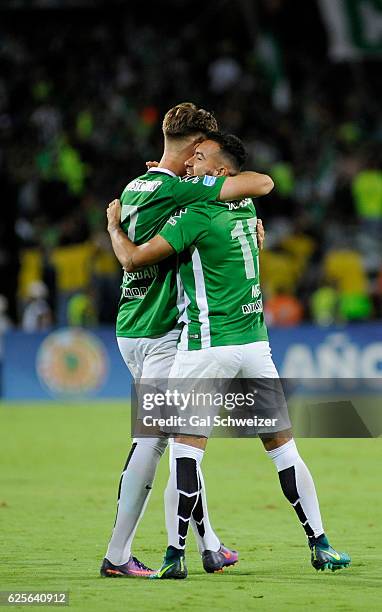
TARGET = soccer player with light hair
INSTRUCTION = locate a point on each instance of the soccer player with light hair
(224, 337)
(148, 320)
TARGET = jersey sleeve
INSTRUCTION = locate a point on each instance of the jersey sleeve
(186, 226)
(198, 189)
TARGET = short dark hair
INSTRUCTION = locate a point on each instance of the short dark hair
(186, 119)
(231, 146)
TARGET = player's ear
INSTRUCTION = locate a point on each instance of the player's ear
(222, 171)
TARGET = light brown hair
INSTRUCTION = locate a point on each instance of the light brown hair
(186, 119)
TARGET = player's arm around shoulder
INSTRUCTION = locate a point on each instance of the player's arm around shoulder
(149, 253)
(246, 185)
(133, 257)
(195, 189)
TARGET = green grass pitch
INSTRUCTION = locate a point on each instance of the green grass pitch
(60, 467)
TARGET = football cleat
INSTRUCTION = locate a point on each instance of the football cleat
(173, 566)
(132, 569)
(323, 556)
(217, 561)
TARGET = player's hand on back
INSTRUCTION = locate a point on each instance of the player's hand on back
(260, 231)
(113, 215)
(152, 164)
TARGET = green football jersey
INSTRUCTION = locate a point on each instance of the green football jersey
(151, 301)
(219, 272)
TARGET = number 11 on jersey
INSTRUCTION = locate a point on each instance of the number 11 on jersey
(251, 263)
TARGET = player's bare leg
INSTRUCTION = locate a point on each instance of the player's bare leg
(298, 487)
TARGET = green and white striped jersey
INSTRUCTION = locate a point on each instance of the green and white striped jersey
(219, 272)
(150, 302)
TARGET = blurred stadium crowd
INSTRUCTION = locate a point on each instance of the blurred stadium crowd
(82, 92)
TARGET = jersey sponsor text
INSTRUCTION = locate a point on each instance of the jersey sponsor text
(240, 204)
(149, 272)
(131, 293)
(253, 307)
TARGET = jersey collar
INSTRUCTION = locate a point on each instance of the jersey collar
(163, 171)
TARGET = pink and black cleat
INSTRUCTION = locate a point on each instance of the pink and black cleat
(132, 569)
(217, 561)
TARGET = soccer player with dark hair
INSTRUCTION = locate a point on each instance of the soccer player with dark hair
(150, 307)
(224, 337)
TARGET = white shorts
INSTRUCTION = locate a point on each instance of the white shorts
(150, 357)
(253, 360)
